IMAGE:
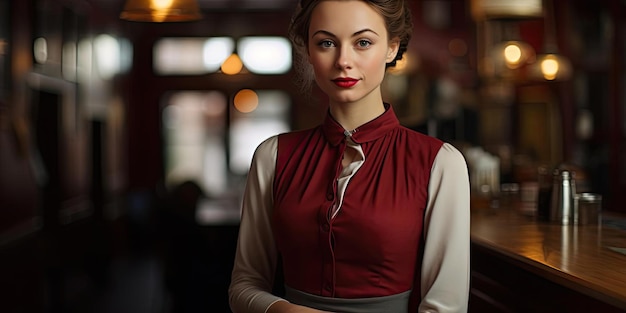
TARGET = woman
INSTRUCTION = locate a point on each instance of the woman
(364, 214)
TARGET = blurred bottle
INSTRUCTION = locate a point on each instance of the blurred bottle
(562, 203)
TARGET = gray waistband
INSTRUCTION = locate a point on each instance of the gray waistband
(397, 303)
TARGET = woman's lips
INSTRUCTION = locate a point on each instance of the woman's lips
(345, 82)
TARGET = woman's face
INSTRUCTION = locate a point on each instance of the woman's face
(348, 49)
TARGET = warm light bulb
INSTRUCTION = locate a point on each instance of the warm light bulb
(246, 101)
(161, 4)
(552, 67)
(512, 54)
(232, 65)
(161, 10)
(549, 67)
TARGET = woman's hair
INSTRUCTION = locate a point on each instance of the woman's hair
(395, 13)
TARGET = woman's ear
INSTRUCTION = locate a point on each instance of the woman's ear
(394, 46)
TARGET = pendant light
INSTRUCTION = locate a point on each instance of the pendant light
(551, 65)
(161, 11)
(516, 53)
(505, 9)
(503, 52)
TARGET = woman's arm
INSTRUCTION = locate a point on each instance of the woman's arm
(445, 267)
(255, 258)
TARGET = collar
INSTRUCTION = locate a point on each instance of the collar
(369, 131)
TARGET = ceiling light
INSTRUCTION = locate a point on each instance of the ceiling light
(161, 11)
(551, 65)
(506, 9)
(516, 53)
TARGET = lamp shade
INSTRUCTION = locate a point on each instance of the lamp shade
(506, 9)
(161, 11)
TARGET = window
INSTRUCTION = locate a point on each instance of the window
(193, 130)
(266, 55)
(248, 130)
(197, 56)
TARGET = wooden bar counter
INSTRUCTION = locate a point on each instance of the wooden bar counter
(520, 264)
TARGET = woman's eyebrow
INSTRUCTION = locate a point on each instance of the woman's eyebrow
(327, 33)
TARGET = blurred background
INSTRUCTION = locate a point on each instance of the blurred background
(127, 128)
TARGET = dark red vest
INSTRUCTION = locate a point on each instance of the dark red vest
(373, 246)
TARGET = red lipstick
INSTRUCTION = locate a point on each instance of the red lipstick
(345, 82)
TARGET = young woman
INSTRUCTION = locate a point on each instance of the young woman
(364, 214)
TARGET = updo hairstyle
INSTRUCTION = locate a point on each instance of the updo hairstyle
(395, 13)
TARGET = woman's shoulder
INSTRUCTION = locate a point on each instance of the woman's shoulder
(268, 142)
(271, 144)
(299, 133)
(450, 153)
(434, 146)
(267, 148)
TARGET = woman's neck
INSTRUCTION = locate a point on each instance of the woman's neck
(351, 115)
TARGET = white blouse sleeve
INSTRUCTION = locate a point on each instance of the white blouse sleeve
(445, 267)
(255, 259)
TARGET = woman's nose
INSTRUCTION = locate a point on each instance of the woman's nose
(344, 58)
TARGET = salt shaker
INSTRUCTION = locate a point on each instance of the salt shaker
(563, 191)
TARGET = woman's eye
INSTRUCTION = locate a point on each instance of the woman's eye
(364, 43)
(326, 44)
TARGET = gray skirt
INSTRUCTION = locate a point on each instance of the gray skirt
(397, 303)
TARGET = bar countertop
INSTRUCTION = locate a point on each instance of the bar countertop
(590, 259)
